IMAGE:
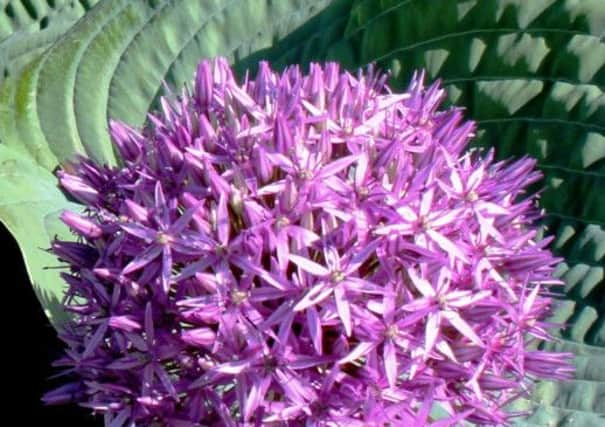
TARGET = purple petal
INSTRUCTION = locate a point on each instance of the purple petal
(282, 249)
(362, 256)
(223, 220)
(426, 202)
(422, 285)
(337, 166)
(459, 299)
(390, 362)
(447, 245)
(309, 266)
(362, 349)
(199, 337)
(140, 231)
(149, 327)
(315, 330)
(464, 328)
(303, 237)
(95, 340)
(256, 394)
(166, 381)
(136, 211)
(82, 225)
(142, 260)
(251, 268)
(166, 268)
(234, 368)
(124, 323)
(314, 296)
(343, 309)
(431, 332)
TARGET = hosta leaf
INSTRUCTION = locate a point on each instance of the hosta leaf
(18, 16)
(27, 27)
(29, 208)
(532, 73)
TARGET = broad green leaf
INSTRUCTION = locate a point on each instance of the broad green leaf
(532, 73)
(19, 16)
(27, 27)
(29, 208)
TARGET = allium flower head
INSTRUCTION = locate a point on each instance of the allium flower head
(308, 250)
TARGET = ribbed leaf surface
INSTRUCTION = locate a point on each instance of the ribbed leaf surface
(532, 73)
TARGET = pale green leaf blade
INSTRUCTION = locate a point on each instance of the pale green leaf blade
(29, 209)
(28, 27)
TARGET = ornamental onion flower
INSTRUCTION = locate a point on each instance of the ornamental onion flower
(304, 249)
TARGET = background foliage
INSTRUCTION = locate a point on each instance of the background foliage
(532, 73)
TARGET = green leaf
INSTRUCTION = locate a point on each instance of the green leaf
(532, 73)
(27, 27)
(19, 16)
(29, 209)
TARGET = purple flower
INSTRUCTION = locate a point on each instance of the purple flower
(303, 250)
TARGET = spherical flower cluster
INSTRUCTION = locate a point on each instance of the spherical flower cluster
(303, 250)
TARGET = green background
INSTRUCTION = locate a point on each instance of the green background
(530, 72)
